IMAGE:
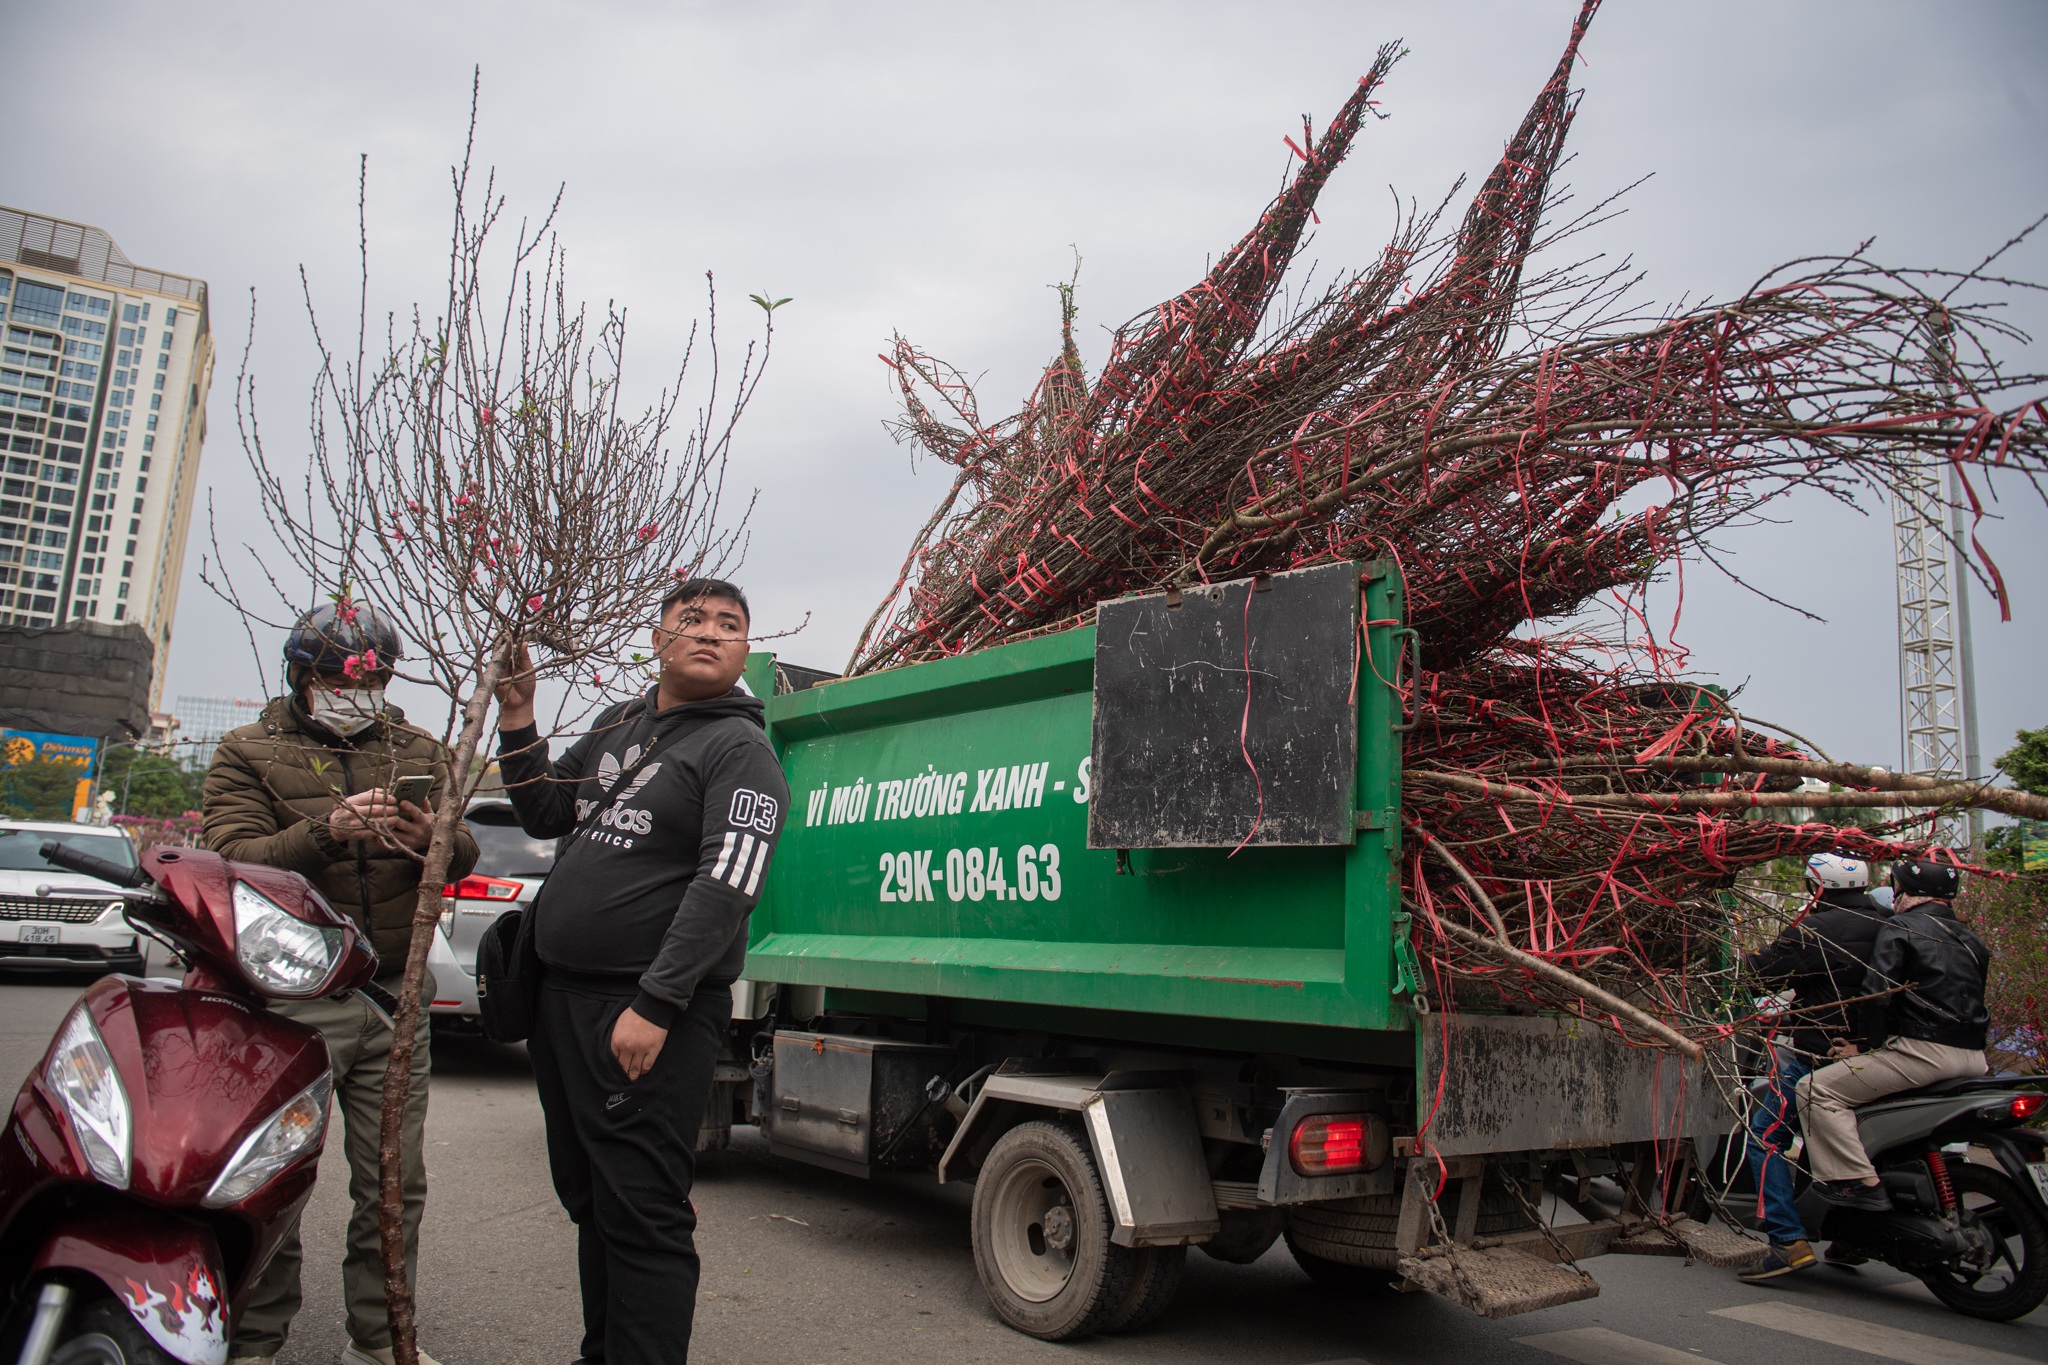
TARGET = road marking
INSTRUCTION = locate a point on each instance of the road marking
(1599, 1346)
(1889, 1342)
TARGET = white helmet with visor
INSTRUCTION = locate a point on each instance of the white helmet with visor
(1833, 872)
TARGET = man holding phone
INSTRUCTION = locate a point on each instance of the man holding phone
(332, 783)
(669, 810)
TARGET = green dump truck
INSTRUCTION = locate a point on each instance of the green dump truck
(1108, 922)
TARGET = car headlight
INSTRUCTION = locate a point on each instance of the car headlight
(281, 953)
(81, 1072)
(275, 1144)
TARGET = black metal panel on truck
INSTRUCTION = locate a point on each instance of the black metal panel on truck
(1512, 1083)
(1227, 713)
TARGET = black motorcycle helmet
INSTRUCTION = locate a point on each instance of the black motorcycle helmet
(327, 637)
(1925, 877)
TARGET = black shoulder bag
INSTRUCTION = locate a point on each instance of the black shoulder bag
(508, 967)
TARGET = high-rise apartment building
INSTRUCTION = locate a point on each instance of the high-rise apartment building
(201, 721)
(103, 384)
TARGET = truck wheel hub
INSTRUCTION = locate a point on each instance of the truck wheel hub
(1033, 1231)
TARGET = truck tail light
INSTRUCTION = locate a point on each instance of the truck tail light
(2026, 1106)
(1337, 1144)
(475, 888)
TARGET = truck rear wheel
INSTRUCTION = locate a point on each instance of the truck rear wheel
(1041, 1235)
(1337, 1275)
(1152, 1289)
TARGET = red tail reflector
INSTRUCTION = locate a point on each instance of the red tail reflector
(2026, 1106)
(1330, 1144)
(474, 888)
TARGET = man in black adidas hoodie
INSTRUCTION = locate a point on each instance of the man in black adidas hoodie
(673, 802)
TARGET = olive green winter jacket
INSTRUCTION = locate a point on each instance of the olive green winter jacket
(272, 786)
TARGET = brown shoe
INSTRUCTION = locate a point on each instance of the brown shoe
(1780, 1261)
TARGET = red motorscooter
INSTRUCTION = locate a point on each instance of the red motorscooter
(157, 1155)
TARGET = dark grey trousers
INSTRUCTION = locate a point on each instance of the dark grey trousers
(623, 1155)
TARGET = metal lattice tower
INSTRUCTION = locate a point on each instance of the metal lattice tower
(1935, 693)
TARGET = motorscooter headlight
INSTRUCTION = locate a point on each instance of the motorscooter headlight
(276, 1143)
(282, 953)
(81, 1073)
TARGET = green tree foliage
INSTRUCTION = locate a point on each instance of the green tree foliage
(2011, 916)
(156, 785)
(2011, 846)
(42, 790)
(2026, 763)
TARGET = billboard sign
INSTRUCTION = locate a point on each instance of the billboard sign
(36, 746)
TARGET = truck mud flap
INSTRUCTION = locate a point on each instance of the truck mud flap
(1497, 1282)
(165, 1271)
(1145, 1141)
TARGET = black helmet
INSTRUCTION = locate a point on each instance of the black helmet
(328, 636)
(1926, 877)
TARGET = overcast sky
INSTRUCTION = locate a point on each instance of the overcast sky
(932, 168)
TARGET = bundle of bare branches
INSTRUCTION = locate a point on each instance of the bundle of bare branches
(1522, 442)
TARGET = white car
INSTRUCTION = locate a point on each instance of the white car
(510, 867)
(53, 918)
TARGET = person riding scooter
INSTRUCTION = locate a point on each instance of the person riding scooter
(1922, 1020)
(1821, 957)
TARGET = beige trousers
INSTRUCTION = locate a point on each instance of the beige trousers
(359, 1051)
(1828, 1098)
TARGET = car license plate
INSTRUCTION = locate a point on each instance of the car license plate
(41, 933)
(2039, 1170)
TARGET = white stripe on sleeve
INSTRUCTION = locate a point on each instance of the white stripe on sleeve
(725, 854)
(739, 864)
(760, 862)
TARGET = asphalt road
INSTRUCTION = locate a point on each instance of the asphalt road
(804, 1267)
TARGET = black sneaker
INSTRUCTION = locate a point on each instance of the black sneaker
(1854, 1194)
(1779, 1261)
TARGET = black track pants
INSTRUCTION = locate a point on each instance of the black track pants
(623, 1155)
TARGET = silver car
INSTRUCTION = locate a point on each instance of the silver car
(510, 867)
(53, 918)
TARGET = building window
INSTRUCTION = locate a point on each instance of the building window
(129, 313)
(160, 379)
(36, 302)
(149, 443)
(119, 611)
(163, 362)
(167, 341)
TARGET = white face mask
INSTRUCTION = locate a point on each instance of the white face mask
(348, 712)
